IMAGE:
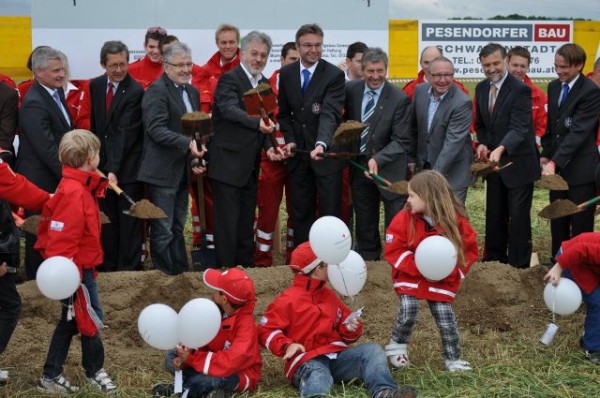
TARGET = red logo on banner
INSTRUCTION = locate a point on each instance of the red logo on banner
(552, 32)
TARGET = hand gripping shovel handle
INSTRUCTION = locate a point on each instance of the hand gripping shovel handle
(116, 188)
(382, 181)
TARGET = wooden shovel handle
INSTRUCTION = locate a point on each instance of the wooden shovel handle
(265, 118)
(590, 202)
(116, 188)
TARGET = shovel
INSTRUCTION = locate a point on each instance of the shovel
(336, 155)
(398, 187)
(348, 132)
(261, 101)
(564, 207)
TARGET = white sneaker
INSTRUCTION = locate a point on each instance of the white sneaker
(397, 354)
(57, 386)
(458, 366)
(103, 382)
(3, 377)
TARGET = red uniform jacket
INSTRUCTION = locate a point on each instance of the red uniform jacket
(539, 109)
(77, 96)
(235, 350)
(205, 84)
(145, 71)
(214, 67)
(581, 256)
(70, 225)
(399, 252)
(17, 190)
(7, 80)
(409, 88)
(308, 313)
(23, 87)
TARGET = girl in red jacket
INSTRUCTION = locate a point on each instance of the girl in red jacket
(431, 209)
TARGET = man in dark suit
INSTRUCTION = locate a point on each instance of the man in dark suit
(9, 111)
(385, 144)
(43, 120)
(505, 133)
(311, 97)
(116, 118)
(235, 154)
(441, 124)
(569, 144)
(166, 160)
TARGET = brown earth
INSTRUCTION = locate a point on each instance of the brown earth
(496, 302)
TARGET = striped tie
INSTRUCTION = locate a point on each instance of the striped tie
(369, 109)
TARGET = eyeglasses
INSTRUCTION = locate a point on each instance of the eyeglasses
(157, 29)
(308, 46)
(440, 76)
(188, 65)
(123, 66)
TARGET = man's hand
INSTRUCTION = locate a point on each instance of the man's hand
(352, 325)
(197, 153)
(543, 162)
(553, 276)
(275, 154)
(373, 168)
(3, 270)
(410, 170)
(198, 166)
(112, 177)
(266, 128)
(482, 152)
(292, 350)
(497, 154)
(314, 153)
(549, 169)
(288, 149)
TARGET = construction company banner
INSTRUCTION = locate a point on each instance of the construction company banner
(461, 42)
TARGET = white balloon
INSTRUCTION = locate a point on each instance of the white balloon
(157, 325)
(435, 257)
(198, 322)
(330, 239)
(564, 299)
(349, 277)
(58, 278)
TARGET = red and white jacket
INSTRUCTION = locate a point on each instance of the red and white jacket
(17, 190)
(308, 313)
(581, 256)
(214, 67)
(399, 252)
(144, 71)
(234, 350)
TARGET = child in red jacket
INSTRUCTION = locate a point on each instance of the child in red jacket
(231, 362)
(70, 227)
(580, 259)
(431, 209)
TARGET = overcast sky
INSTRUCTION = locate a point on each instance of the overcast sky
(440, 9)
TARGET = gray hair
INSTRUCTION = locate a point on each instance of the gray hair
(175, 49)
(41, 57)
(257, 37)
(440, 59)
(374, 55)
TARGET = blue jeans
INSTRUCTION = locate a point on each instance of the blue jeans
(167, 243)
(92, 287)
(200, 384)
(365, 361)
(591, 324)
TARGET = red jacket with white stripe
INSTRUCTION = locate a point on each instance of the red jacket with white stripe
(581, 256)
(399, 252)
(234, 350)
(308, 313)
(17, 190)
(214, 67)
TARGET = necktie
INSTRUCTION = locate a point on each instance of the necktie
(62, 108)
(564, 93)
(493, 95)
(109, 96)
(306, 76)
(369, 109)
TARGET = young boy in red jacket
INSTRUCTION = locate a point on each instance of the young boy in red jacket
(231, 362)
(70, 227)
(579, 259)
(311, 329)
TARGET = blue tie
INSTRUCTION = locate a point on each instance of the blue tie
(369, 109)
(563, 94)
(306, 76)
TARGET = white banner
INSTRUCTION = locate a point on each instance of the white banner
(461, 42)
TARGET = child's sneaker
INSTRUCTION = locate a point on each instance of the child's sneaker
(103, 382)
(398, 354)
(57, 386)
(593, 356)
(3, 377)
(458, 366)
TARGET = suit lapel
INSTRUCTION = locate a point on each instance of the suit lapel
(54, 106)
(574, 92)
(385, 94)
(442, 106)
(315, 80)
(120, 93)
(174, 93)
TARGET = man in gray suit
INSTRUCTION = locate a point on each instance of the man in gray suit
(441, 123)
(385, 143)
(165, 165)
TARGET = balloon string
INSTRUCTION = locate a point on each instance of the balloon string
(553, 305)
(344, 280)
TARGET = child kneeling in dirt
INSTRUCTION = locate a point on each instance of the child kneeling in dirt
(70, 227)
(580, 259)
(231, 362)
(311, 329)
(431, 209)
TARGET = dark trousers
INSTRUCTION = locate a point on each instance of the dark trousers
(167, 243)
(366, 198)
(234, 222)
(10, 308)
(122, 237)
(309, 191)
(565, 228)
(32, 258)
(508, 222)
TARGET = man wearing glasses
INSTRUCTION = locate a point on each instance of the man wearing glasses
(311, 97)
(149, 68)
(441, 122)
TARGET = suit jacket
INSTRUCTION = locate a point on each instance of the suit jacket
(570, 138)
(41, 127)
(389, 130)
(165, 158)
(510, 125)
(9, 111)
(307, 118)
(121, 129)
(446, 145)
(235, 147)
